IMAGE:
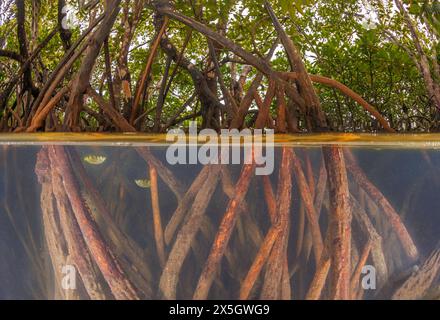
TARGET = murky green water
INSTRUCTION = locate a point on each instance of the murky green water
(405, 171)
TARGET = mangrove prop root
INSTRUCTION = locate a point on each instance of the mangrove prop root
(147, 70)
(270, 199)
(259, 261)
(377, 253)
(264, 110)
(268, 242)
(122, 245)
(104, 258)
(309, 205)
(250, 229)
(276, 262)
(186, 235)
(304, 236)
(321, 188)
(184, 204)
(375, 194)
(286, 288)
(319, 279)
(321, 272)
(300, 231)
(224, 233)
(229, 187)
(75, 242)
(417, 286)
(165, 174)
(309, 174)
(246, 224)
(157, 220)
(358, 270)
(339, 222)
(55, 240)
(281, 124)
(346, 91)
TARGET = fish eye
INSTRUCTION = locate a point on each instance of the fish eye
(95, 159)
(143, 183)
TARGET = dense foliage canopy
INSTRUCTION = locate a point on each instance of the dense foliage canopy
(149, 66)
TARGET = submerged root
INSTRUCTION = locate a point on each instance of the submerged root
(75, 241)
(339, 222)
(277, 279)
(107, 263)
(224, 233)
(393, 218)
(170, 275)
(423, 282)
(132, 257)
